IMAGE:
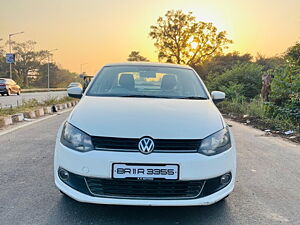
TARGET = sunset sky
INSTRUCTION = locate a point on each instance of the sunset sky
(97, 32)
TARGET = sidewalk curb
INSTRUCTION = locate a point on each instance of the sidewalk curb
(12, 122)
(28, 123)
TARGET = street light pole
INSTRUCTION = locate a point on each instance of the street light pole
(9, 43)
(49, 67)
(10, 68)
(48, 73)
(81, 65)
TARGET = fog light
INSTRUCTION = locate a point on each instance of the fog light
(225, 179)
(63, 174)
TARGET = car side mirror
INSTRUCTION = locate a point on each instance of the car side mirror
(75, 92)
(217, 96)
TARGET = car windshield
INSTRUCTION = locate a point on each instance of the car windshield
(3, 81)
(147, 81)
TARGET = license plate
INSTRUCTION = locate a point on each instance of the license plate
(144, 172)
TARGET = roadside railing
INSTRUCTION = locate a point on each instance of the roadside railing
(42, 90)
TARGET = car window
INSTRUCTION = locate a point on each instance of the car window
(3, 81)
(147, 81)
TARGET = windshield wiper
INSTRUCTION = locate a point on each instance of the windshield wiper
(155, 96)
(143, 96)
(194, 97)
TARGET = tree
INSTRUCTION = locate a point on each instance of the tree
(269, 63)
(181, 39)
(135, 56)
(4, 67)
(285, 87)
(27, 59)
(58, 77)
(293, 54)
(220, 63)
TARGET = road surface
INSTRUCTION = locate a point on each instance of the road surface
(267, 188)
(14, 100)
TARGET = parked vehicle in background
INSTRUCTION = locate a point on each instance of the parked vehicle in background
(8, 87)
(75, 84)
(87, 79)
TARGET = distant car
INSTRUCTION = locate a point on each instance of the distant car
(8, 86)
(75, 84)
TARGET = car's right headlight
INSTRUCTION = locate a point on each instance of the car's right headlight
(216, 143)
(75, 139)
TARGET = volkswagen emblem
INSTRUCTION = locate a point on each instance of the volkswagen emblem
(146, 145)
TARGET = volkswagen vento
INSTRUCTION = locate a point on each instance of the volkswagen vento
(145, 134)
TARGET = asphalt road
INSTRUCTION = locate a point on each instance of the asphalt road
(267, 188)
(14, 100)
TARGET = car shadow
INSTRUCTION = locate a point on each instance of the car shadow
(69, 211)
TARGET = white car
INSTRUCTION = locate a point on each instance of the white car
(145, 134)
(74, 84)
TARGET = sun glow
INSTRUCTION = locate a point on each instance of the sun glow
(100, 32)
(194, 45)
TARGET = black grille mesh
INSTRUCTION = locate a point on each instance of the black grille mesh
(155, 189)
(161, 145)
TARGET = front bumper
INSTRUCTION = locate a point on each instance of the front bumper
(98, 164)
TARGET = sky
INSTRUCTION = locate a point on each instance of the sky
(91, 33)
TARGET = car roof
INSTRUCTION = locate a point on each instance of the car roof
(148, 64)
(5, 79)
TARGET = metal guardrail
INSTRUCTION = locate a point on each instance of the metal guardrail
(14, 102)
(42, 90)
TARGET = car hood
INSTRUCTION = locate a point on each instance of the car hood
(154, 117)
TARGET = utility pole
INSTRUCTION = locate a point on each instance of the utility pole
(10, 51)
(49, 67)
(81, 65)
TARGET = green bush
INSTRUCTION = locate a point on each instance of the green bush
(242, 85)
(266, 115)
(287, 112)
(232, 90)
(246, 77)
(231, 106)
(254, 107)
(285, 87)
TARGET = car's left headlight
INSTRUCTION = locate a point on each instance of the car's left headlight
(216, 143)
(75, 139)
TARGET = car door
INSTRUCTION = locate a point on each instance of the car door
(14, 87)
(10, 86)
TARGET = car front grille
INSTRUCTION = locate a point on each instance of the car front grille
(154, 189)
(160, 145)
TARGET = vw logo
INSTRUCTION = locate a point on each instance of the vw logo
(146, 145)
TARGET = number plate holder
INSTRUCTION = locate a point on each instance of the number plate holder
(145, 171)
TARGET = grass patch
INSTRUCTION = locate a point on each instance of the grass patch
(258, 114)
